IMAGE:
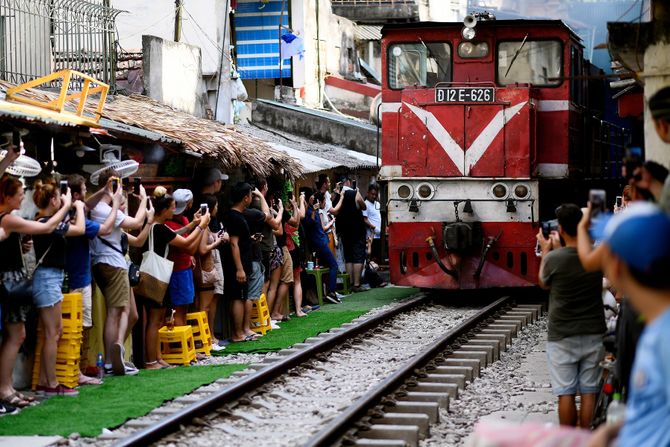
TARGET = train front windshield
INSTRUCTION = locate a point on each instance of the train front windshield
(536, 62)
(418, 64)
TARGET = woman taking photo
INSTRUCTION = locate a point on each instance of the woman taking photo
(209, 275)
(15, 308)
(164, 207)
(48, 279)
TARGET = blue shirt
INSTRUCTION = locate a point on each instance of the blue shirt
(648, 407)
(314, 228)
(79, 256)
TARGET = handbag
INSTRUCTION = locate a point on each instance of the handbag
(205, 272)
(133, 269)
(155, 272)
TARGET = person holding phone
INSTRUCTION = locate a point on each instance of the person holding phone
(110, 270)
(164, 207)
(79, 256)
(50, 251)
(209, 271)
(15, 309)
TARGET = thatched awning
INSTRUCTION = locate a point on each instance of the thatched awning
(226, 145)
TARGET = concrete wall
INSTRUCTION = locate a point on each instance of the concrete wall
(656, 69)
(317, 126)
(172, 74)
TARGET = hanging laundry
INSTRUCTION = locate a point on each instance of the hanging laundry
(291, 45)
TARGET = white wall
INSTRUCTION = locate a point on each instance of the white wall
(656, 63)
(156, 18)
(172, 74)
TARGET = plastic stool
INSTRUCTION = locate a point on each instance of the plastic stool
(72, 307)
(260, 316)
(318, 274)
(177, 346)
(346, 283)
(202, 337)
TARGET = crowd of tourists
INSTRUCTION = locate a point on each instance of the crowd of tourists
(260, 244)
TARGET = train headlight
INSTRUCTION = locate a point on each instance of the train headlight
(425, 191)
(404, 192)
(499, 191)
(468, 33)
(521, 191)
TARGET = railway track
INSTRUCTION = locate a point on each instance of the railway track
(381, 378)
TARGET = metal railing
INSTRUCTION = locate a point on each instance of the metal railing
(38, 37)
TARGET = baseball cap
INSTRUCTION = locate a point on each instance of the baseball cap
(181, 199)
(212, 175)
(640, 237)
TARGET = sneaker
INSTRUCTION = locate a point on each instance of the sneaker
(333, 298)
(6, 409)
(130, 369)
(339, 296)
(274, 325)
(117, 360)
(217, 348)
(61, 390)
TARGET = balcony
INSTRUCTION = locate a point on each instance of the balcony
(377, 11)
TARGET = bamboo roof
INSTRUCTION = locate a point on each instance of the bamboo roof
(225, 144)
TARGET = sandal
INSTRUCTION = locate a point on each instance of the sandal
(15, 401)
(86, 380)
(153, 365)
(24, 397)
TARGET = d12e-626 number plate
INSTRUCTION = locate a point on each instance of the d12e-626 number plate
(465, 94)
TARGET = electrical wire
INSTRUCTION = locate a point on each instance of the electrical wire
(216, 45)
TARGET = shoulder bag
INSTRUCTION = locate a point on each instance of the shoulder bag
(155, 272)
(205, 273)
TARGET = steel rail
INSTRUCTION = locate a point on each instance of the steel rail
(253, 381)
(337, 428)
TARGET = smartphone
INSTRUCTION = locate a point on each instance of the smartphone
(203, 209)
(290, 195)
(597, 197)
(136, 185)
(63, 186)
(619, 201)
(115, 184)
(354, 184)
(16, 141)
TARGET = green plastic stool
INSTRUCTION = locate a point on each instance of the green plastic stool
(318, 274)
(346, 283)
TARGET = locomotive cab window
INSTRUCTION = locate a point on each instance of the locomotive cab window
(420, 64)
(536, 62)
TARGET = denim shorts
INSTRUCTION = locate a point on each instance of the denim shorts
(181, 289)
(255, 281)
(47, 286)
(573, 364)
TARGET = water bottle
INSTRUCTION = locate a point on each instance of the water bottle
(100, 363)
(65, 288)
(616, 410)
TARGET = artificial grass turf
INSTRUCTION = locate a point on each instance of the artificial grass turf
(112, 403)
(327, 317)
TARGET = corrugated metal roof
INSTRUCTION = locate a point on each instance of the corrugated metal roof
(368, 32)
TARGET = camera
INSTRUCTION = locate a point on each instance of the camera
(63, 187)
(549, 226)
(136, 185)
(203, 209)
(597, 198)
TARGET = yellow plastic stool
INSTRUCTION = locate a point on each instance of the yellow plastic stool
(177, 345)
(260, 316)
(72, 307)
(202, 337)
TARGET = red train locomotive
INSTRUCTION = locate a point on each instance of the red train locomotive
(485, 125)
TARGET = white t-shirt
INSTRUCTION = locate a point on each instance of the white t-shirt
(101, 253)
(374, 215)
(328, 199)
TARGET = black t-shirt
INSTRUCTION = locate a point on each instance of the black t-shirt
(256, 221)
(162, 236)
(236, 225)
(12, 257)
(55, 257)
(351, 216)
